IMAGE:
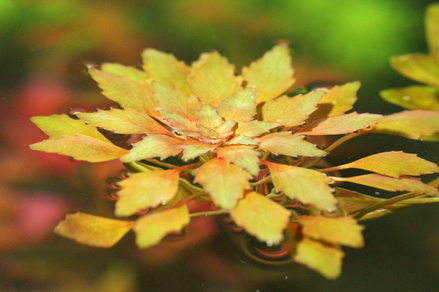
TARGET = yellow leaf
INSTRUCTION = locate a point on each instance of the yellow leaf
(165, 68)
(243, 140)
(208, 117)
(154, 145)
(338, 100)
(93, 230)
(255, 128)
(123, 121)
(174, 101)
(432, 30)
(340, 230)
(179, 122)
(291, 111)
(419, 67)
(214, 80)
(285, 143)
(145, 190)
(225, 182)
(271, 75)
(410, 124)
(240, 108)
(81, 147)
(127, 71)
(306, 185)
(324, 259)
(126, 92)
(390, 183)
(193, 148)
(56, 126)
(261, 217)
(151, 228)
(225, 129)
(413, 97)
(394, 163)
(340, 124)
(244, 156)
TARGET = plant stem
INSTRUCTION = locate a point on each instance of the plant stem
(391, 201)
(208, 213)
(136, 166)
(342, 140)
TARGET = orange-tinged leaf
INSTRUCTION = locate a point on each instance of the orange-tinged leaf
(413, 97)
(434, 183)
(145, 190)
(285, 143)
(93, 230)
(178, 122)
(394, 163)
(339, 230)
(174, 101)
(208, 117)
(126, 92)
(127, 71)
(193, 148)
(338, 100)
(225, 129)
(341, 124)
(271, 75)
(56, 126)
(123, 121)
(244, 156)
(419, 67)
(154, 145)
(261, 217)
(432, 30)
(291, 111)
(410, 124)
(390, 183)
(81, 147)
(151, 228)
(240, 108)
(306, 185)
(214, 80)
(243, 140)
(324, 259)
(255, 128)
(225, 182)
(352, 202)
(165, 68)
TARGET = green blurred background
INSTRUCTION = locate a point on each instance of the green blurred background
(44, 46)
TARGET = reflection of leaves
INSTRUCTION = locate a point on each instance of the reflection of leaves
(93, 230)
(261, 217)
(151, 228)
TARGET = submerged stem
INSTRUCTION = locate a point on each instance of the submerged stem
(208, 213)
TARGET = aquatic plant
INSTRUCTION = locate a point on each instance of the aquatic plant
(243, 142)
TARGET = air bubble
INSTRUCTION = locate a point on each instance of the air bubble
(269, 243)
(163, 202)
(406, 97)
